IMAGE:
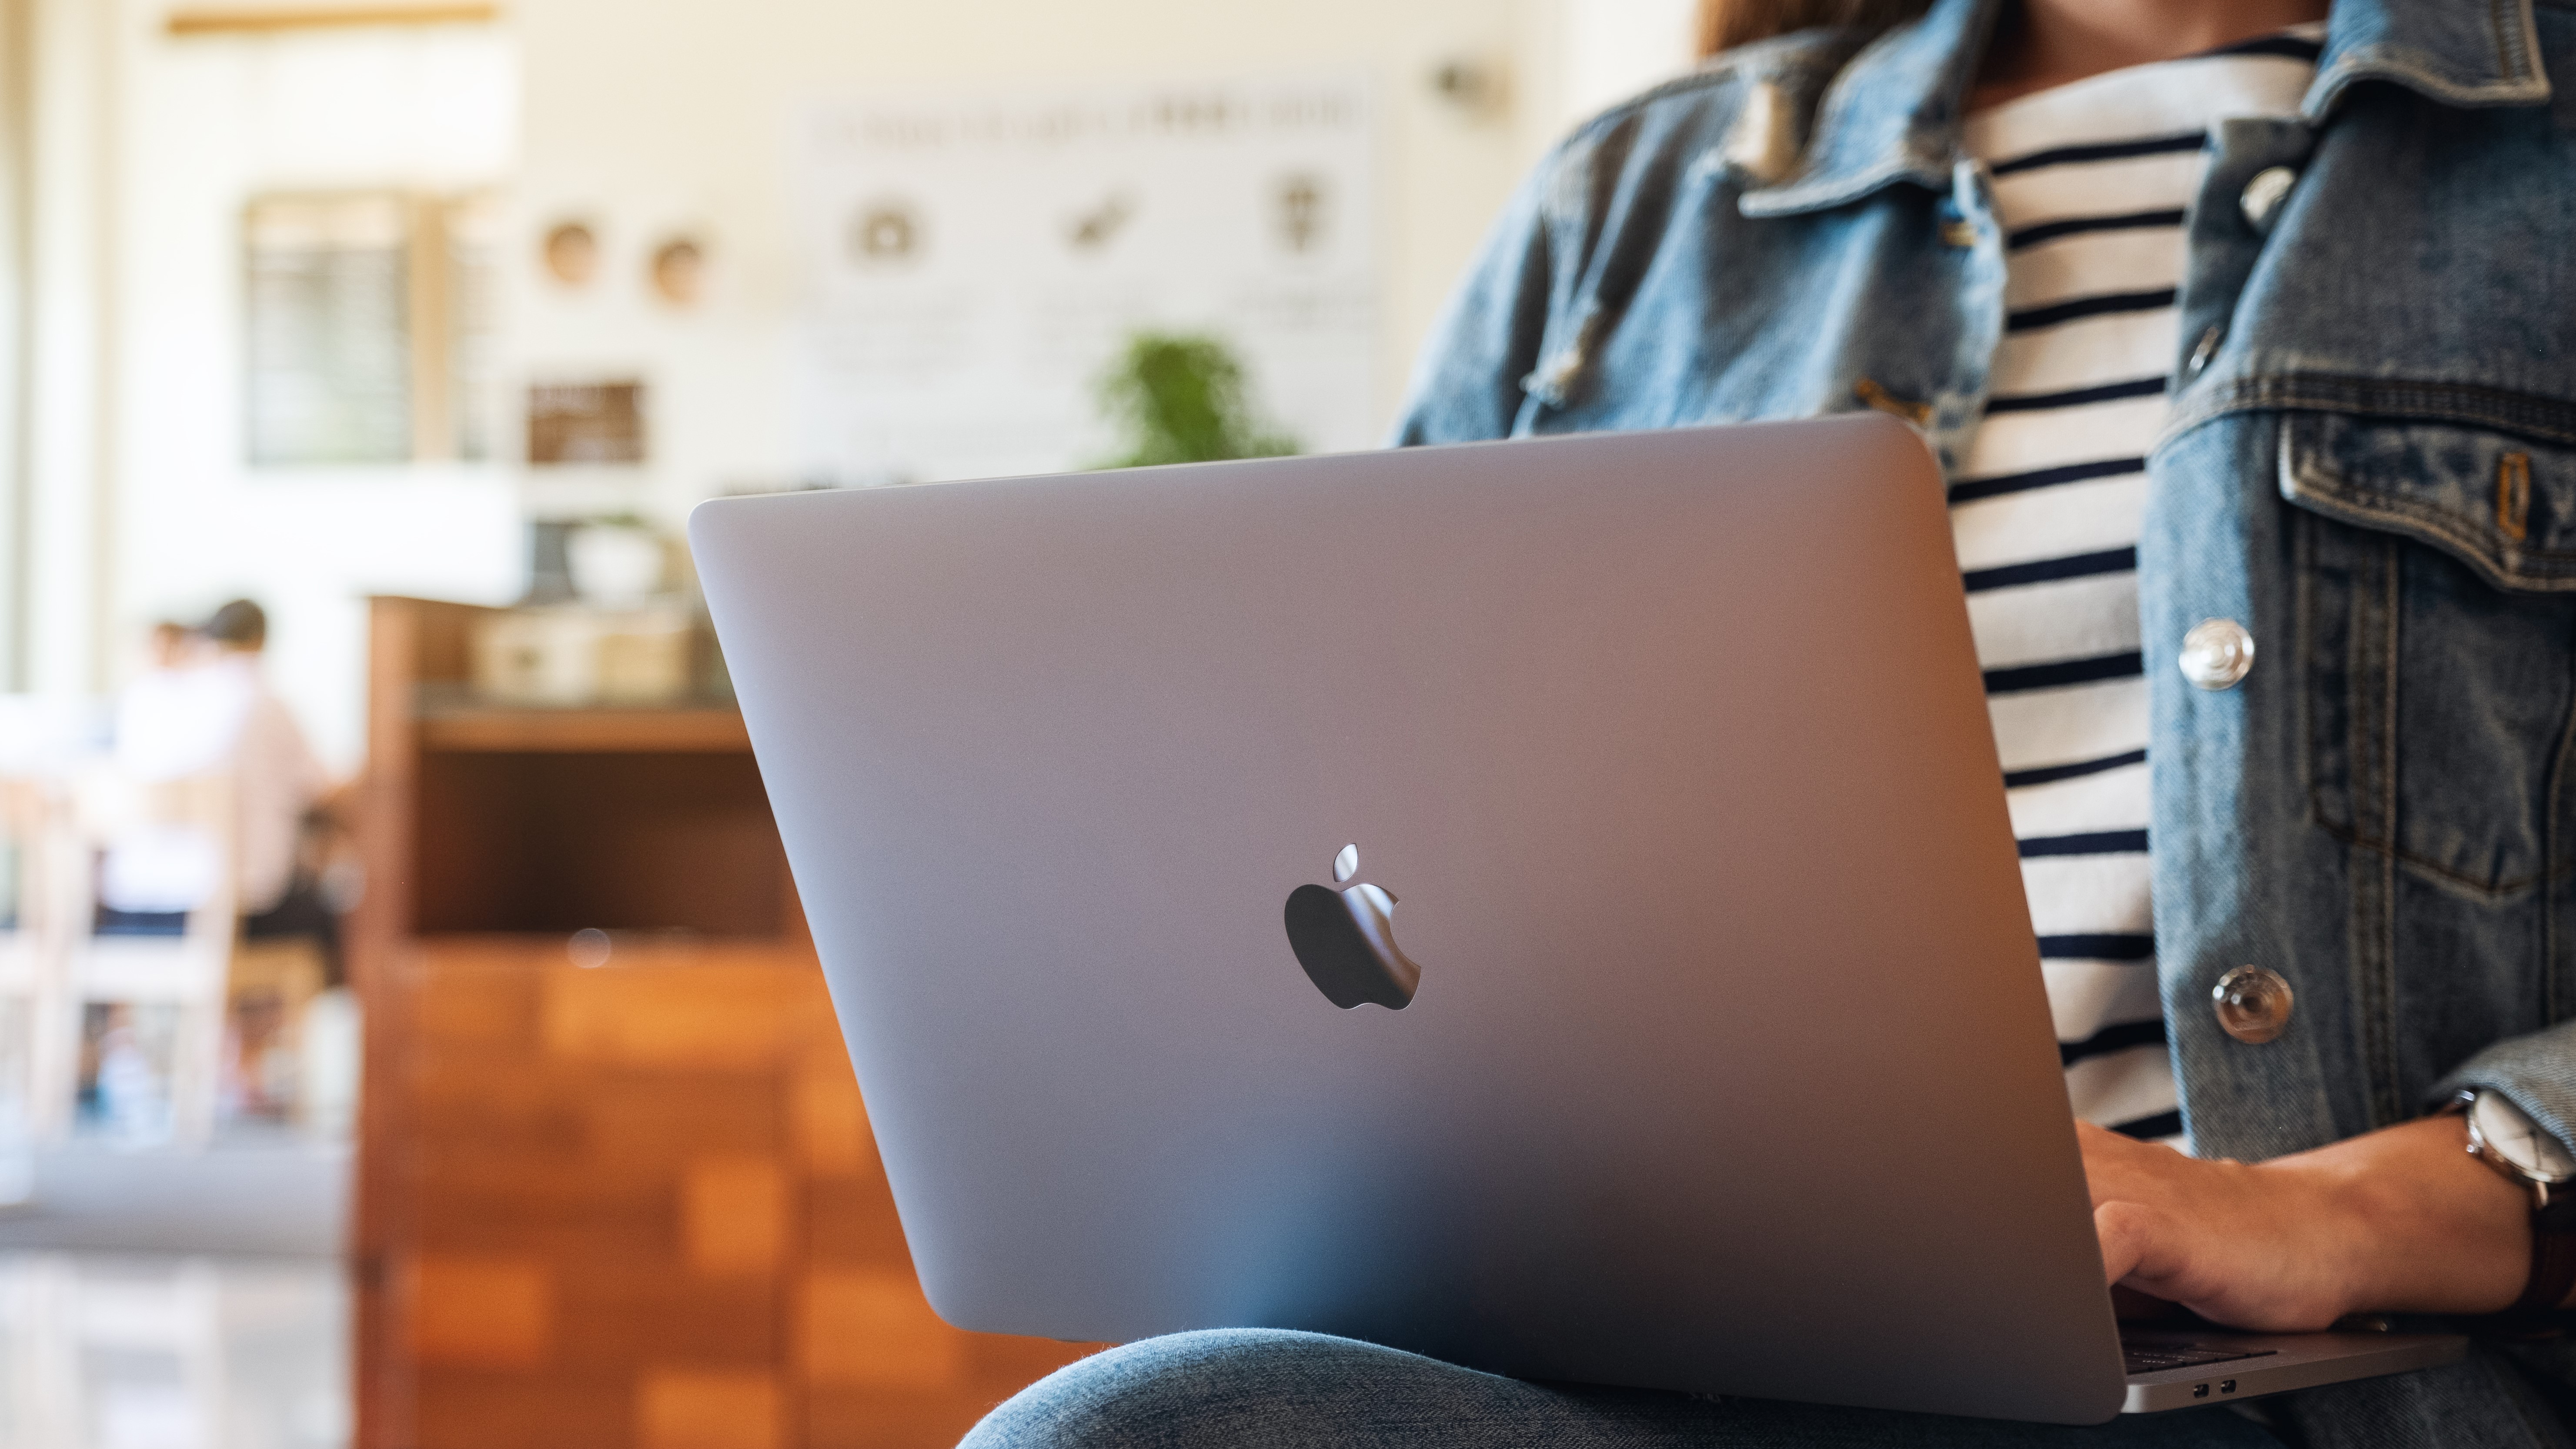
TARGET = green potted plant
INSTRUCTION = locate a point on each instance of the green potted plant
(1182, 398)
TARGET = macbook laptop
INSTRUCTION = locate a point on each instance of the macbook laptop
(1547, 905)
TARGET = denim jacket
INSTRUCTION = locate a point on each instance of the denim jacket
(2370, 465)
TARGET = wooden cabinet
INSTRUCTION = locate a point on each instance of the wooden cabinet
(625, 1204)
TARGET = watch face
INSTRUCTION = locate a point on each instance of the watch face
(2518, 1140)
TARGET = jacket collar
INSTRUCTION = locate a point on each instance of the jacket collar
(1893, 113)
(2459, 55)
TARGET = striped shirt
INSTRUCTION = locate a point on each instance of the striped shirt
(2091, 184)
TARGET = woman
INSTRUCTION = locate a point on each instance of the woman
(2242, 334)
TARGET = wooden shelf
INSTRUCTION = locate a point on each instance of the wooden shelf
(470, 729)
(590, 1197)
(526, 950)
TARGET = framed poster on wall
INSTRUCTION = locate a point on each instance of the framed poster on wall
(974, 261)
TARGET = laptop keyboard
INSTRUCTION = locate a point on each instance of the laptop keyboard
(2148, 1358)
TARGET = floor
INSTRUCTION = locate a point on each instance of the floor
(170, 1301)
(267, 1195)
(105, 1351)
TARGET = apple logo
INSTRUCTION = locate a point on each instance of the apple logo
(1346, 940)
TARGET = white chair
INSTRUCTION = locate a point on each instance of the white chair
(182, 975)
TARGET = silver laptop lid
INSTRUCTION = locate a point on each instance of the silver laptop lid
(1730, 1066)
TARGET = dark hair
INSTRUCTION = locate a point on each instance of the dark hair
(241, 624)
(1725, 24)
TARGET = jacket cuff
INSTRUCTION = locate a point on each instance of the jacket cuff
(2536, 1072)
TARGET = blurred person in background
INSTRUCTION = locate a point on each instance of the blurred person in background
(203, 704)
(284, 800)
(174, 720)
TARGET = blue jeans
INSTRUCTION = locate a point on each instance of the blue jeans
(1241, 1388)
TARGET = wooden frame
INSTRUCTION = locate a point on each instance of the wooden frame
(324, 17)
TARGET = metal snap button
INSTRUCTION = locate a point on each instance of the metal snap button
(2253, 1004)
(2202, 351)
(2264, 195)
(2216, 653)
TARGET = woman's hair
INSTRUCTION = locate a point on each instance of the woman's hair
(1725, 24)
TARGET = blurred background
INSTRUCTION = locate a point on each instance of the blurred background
(408, 1034)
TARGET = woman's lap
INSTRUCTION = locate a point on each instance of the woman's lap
(1264, 1389)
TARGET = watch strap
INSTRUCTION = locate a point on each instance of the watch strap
(2553, 1257)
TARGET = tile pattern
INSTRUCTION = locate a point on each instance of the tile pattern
(638, 1205)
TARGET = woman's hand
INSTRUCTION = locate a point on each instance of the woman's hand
(2399, 1220)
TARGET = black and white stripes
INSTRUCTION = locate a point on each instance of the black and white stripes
(2092, 184)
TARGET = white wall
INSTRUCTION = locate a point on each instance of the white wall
(649, 118)
(207, 123)
(1612, 49)
(645, 116)
(72, 120)
(652, 116)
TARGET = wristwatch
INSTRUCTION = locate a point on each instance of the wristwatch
(2503, 1137)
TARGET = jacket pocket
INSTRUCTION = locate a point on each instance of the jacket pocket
(2436, 588)
(2503, 506)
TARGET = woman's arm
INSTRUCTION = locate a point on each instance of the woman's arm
(2402, 1220)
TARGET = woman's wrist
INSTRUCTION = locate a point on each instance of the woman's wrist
(2408, 1222)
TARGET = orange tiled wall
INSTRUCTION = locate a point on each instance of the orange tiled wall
(638, 1205)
